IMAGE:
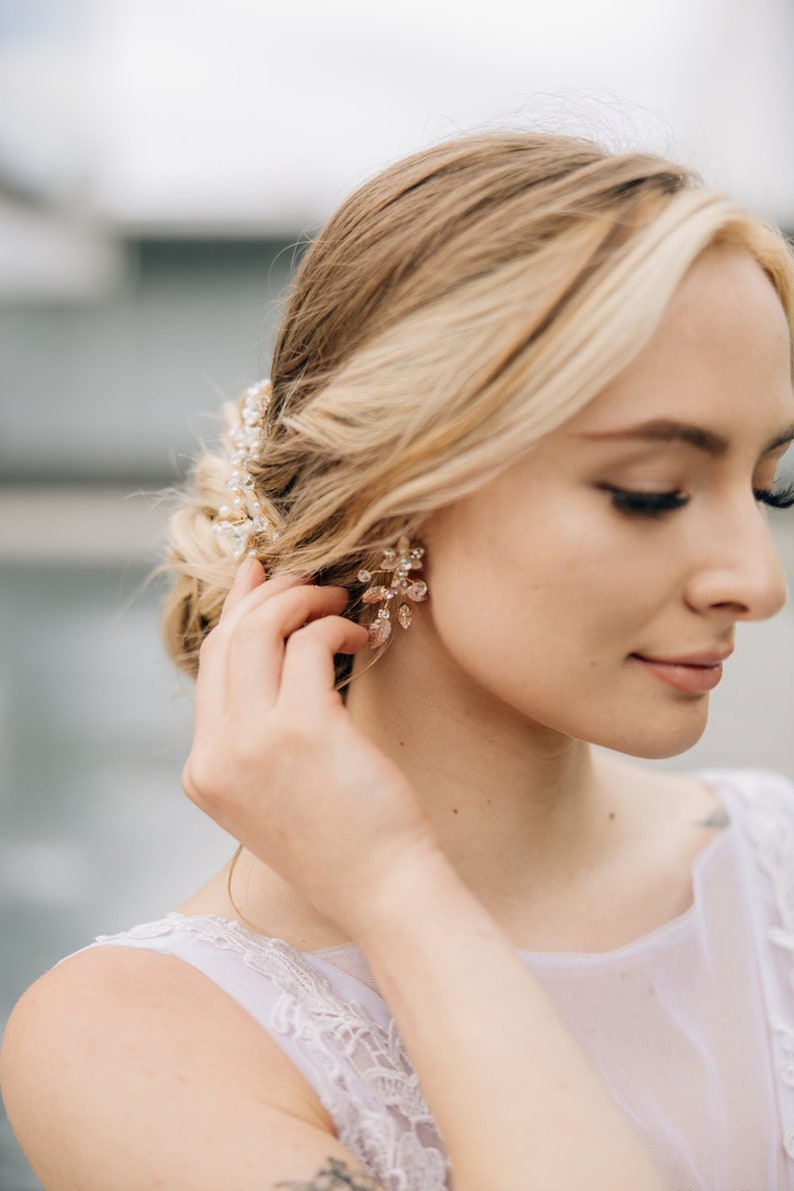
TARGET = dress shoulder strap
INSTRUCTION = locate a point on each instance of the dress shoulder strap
(337, 1031)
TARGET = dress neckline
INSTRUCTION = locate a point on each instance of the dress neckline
(667, 933)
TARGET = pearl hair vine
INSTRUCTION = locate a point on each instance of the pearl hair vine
(243, 520)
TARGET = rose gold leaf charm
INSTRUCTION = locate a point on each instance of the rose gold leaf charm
(417, 591)
(404, 615)
(374, 595)
(379, 631)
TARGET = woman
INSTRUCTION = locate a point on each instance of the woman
(528, 400)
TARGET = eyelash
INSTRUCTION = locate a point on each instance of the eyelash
(656, 504)
(783, 498)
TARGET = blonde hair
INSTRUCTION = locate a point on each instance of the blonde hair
(456, 308)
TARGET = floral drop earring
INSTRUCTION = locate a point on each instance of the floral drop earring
(403, 588)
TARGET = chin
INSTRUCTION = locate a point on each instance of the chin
(656, 742)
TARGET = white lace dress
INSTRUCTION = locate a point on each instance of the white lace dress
(691, 1026)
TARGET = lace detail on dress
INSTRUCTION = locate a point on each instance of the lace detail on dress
(768, 821)
(360, 1069)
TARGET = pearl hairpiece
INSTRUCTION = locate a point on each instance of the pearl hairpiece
(243, 519)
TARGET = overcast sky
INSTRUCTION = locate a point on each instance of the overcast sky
(235, 115)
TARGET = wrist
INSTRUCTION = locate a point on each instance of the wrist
(418, 902)
(407, 885)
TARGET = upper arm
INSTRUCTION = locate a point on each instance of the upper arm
(123, 1070)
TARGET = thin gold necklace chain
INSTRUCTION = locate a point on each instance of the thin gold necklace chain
(232, 865)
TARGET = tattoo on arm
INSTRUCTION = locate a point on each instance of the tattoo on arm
(334, 1177)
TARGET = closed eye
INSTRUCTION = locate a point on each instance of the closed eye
(779, 498)
(645, 504)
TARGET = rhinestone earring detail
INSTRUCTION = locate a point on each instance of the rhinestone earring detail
(397, 562)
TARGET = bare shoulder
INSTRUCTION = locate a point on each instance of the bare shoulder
(123, 1068)
(668, 818)
(681, 796)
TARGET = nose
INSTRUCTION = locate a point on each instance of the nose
(739, 571)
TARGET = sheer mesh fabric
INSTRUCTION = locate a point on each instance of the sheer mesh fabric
(691, 1027)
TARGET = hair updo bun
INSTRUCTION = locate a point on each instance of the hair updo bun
(457, 307)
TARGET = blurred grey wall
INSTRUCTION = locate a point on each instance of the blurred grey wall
(118, 389)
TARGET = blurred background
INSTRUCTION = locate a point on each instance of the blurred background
(159, 162)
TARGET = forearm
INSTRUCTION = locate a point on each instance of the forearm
(518, 1104)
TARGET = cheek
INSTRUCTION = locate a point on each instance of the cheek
(550, 600)
(540, 613)
(525, 601)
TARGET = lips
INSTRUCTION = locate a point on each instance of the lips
(695, 674)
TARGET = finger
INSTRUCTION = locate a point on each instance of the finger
(257, 641)
(211, 685)
(249, 588)
(250, 574)
(308, 677)
(251, 578)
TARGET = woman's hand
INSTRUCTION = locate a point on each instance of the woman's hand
(276, 759)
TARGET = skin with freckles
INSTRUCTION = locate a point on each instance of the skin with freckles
(546, 592)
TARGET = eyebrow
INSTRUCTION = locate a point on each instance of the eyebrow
(667, 431)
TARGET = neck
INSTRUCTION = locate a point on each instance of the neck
(518, 807)
(522, 812)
